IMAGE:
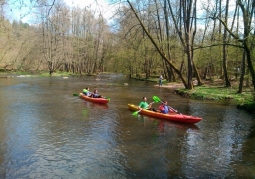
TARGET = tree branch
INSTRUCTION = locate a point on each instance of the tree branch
(214, 45)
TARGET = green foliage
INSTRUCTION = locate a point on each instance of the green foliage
(23, 73)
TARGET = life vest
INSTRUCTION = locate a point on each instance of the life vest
(164, 109)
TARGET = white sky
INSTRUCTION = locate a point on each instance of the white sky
(83, 3)
(100, 6)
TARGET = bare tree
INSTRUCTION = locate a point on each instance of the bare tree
(245, 39)
(162, 54)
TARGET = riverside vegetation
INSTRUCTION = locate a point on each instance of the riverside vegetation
(214, 91)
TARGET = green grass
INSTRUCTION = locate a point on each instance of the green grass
(219, 93)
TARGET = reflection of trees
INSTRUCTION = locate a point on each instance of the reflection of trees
(3, 130)
(220, 144)
(246, 168)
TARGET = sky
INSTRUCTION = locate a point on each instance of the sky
(83, 3)
(16, 13)
(99, 5)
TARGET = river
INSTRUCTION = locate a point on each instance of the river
(46, 132)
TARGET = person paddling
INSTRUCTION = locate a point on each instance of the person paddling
(96, 95)
(164, 108)
(144, 105)
(86, 91)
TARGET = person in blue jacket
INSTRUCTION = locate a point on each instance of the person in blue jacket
(164, 108)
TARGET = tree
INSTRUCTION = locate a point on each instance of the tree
(162, 54)
(245, 38)
(186, 29)
(224, 50)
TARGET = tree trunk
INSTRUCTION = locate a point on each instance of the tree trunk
(199, 81)
(224, 61)
(240, 89)
(190, 63)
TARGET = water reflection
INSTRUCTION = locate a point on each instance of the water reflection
(161, 124)
(46, 132)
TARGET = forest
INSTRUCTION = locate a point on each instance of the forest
(186, 41)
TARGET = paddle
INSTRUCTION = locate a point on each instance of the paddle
(136, 112)
(107, 98)
(174, 109)
(157, 99)
(76, 94)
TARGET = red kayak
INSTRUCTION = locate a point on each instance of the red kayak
(170, 116)
(95, 100)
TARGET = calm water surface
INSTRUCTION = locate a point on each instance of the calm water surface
(46, 132)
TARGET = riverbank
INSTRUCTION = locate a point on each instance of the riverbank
(208, 91)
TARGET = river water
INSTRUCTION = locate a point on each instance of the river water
(46, 132)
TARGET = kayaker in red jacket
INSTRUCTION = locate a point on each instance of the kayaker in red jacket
(164, 108)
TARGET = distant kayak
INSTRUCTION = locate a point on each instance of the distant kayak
(95, 100)
(170, 116)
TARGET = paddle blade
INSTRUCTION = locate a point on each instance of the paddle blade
(107, 98)
(135, 113)
(76, 95)
(156, 99)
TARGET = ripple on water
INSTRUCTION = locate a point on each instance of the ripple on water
(48, 133)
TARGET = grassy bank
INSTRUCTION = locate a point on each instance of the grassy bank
(215, 91)
(245, 100)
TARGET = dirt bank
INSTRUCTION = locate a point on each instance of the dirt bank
(171, 85)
